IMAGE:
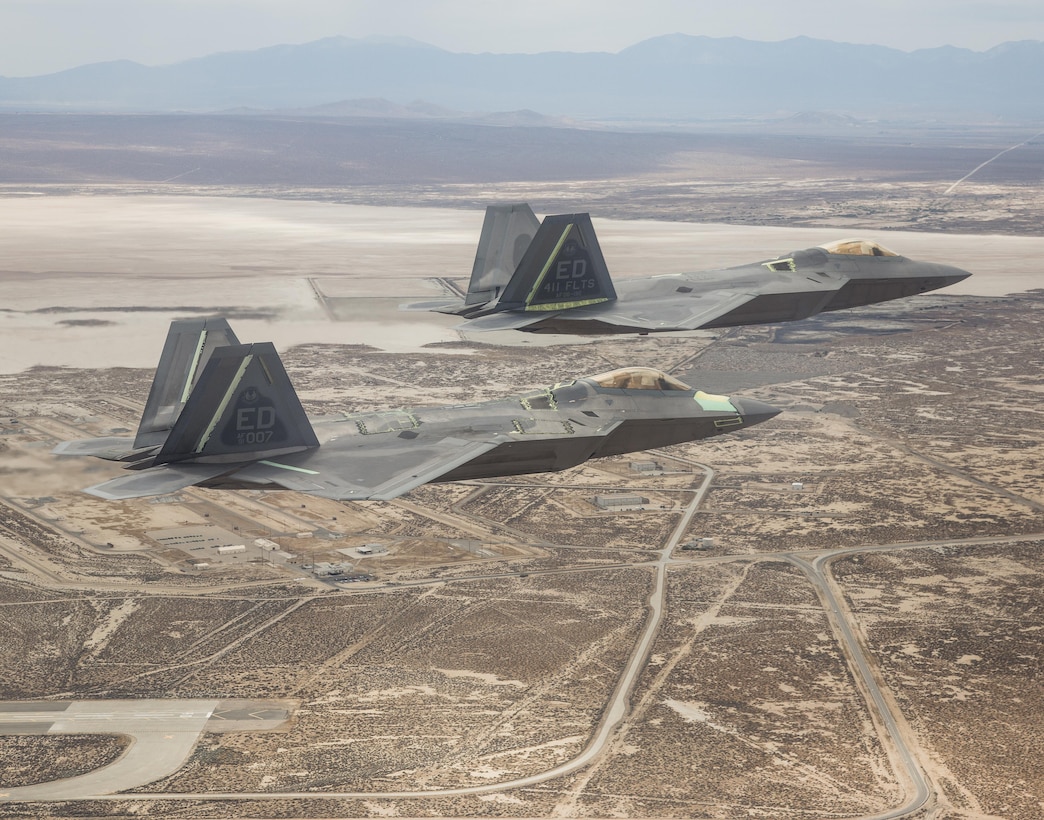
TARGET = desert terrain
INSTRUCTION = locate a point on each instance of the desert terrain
(835, 614)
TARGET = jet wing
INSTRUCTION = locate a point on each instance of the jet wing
(787, 300)
(678, 313)
(685, 313)
(383, 470)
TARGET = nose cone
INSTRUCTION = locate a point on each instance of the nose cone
(940, 276)
(952, 275)
(754, 412)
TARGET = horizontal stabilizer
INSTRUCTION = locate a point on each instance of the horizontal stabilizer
(508, 320)
(451, 306)
(110, 448)
(167, 478)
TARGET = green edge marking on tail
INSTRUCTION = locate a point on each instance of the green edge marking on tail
(566, 305)
(193, 366)
(220, 411)
(547, 265)
(268, 463)
(555, 306)
(264, 369)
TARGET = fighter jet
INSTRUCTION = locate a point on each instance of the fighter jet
(562, 285)
(225, 415)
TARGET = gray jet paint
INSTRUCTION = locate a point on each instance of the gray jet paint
(562, 284)
(225, 415)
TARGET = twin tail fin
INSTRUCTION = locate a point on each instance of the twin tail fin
(242, 408)
(190, 344)
(563, 268)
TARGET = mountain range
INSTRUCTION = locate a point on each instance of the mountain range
(673, 78)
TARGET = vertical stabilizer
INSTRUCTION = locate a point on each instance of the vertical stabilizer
(242, 408)
(506, 233)
(189, 345)
(562, 268)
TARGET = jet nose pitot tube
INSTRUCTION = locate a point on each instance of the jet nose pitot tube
(754, 412)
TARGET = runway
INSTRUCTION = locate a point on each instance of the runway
(163, 734)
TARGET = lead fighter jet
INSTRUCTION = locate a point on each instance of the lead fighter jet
(223, 414)
(551, 277)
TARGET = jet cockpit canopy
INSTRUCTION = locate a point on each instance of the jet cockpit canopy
(857, 247)
(639, 378)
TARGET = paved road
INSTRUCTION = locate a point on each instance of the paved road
(921, 791)
(165, 731)
(617, 708)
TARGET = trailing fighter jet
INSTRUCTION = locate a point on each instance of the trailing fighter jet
(561, 284)
(225, 415)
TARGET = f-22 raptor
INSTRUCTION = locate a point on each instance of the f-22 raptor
(225, 415)
(551, 277)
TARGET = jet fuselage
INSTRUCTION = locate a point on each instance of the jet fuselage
(837, 283)
(545, 430)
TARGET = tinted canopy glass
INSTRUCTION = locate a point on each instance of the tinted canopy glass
(639, 378)
(857, 247)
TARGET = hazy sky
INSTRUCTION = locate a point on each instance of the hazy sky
(40, 36)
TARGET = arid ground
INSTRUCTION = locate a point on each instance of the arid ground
(838, 613)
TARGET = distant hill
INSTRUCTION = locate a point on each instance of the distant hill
(671, 78)
(379, 108)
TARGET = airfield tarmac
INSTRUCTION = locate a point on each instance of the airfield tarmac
(864, 645)
(162, 734)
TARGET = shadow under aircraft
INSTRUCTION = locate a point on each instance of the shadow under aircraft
(225, 415)
(551, 277)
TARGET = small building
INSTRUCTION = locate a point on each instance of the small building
(797, 485)
(231, 548)
(620, 501)
(265, 544)
(645, 466)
